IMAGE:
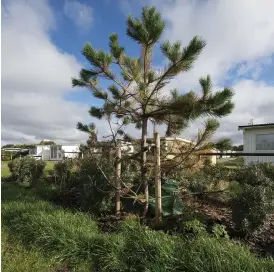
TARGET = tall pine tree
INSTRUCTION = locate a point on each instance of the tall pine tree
(137, 94)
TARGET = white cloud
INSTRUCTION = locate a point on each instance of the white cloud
(235, 31)
(36, 75)
(239, 36)
(80, 14)
(35, 78)
(254, 100)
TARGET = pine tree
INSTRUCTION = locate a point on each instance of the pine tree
(137, 95)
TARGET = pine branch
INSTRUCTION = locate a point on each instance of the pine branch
(188, 56)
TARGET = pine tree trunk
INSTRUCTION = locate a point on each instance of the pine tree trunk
(143, 165)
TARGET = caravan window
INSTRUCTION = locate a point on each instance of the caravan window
(53, 151)
(33, 151)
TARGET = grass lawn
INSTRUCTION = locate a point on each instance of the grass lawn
(5, 172)
(231, 162)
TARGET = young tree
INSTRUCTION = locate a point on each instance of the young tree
(138, 94)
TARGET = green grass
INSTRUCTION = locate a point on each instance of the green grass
(49, 167)
(47, 236)
(59, 236)
(231, 162)
(16, 258)
(5, 172)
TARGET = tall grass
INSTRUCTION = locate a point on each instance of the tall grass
(63, 236)
(137, 248)
(15, 258)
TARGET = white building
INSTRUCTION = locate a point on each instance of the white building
(258, 139)
(55, 152)
(226, 152)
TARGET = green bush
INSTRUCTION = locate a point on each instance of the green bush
(255, 174)
(62, 171)
(208, 178)
(254, 201)
(27, 169)
(89, 188)
(252, 207)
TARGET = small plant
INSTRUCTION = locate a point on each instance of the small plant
(219, 231)
(27, 169)
(195, 227)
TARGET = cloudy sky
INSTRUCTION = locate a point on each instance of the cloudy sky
(42, 41)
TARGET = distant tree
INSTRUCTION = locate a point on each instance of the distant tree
(47, 143)
(7, 146)
(139, 96)
(224, 144)
(238, 148)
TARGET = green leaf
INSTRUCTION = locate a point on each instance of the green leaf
(149, 29)
(78, 83)
(96, 112)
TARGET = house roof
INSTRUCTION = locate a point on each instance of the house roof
(256, 126)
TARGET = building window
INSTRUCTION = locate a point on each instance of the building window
(265, 142)
(33, 151)
(53, 152)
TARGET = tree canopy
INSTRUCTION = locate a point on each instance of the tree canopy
(139, 93)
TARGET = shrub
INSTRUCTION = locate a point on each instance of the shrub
(208, 178)
(255, 174)
(252, 207)
(27, 169)
(254, 201)
(62, 171)
(89, 188)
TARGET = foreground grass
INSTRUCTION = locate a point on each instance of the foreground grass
(55, 237)
(15, 258)
(59, 235)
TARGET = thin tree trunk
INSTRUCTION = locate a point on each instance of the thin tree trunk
(143, 165)
(157, 173)
(117, 180)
